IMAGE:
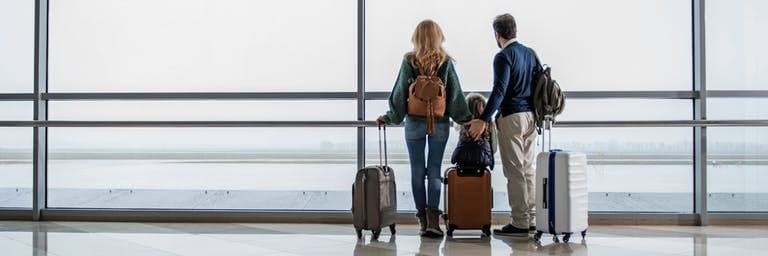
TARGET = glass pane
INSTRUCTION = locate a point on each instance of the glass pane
(17, 46)
(736, 39)
(630, 169)
(15, 110)
(228, 45)
(737, 169)
(626, 109)
(588, 48)
(741, 109)
(596, 110)
(15, 167)
(315, 110)
(202, 168)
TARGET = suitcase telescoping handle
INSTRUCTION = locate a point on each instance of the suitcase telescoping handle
(383, 127)
(548, 130)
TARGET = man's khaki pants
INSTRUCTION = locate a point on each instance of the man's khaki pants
(517, 139)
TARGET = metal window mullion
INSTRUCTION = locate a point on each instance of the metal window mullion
(360, 82)
(588, 95)
(737, 94)
(40, 110)
(381, 95)
(179, 96)
(358, 124)
(17, 96)
(700, 113)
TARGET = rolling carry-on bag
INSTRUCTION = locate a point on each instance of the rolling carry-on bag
(374, 198)
(468, 199)
(561, 193)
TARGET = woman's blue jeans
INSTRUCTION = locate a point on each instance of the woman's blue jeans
(426, 165)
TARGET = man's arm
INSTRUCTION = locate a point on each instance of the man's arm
(501, 73)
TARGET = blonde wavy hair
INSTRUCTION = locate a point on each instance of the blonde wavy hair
(428, 52)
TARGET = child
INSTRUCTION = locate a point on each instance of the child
(470, 153)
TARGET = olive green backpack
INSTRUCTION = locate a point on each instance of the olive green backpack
(548, 99)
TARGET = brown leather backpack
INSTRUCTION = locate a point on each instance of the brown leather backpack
(426, 98)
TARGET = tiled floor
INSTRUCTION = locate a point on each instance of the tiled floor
(89, 238)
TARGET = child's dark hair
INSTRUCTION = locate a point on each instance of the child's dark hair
(476, 104)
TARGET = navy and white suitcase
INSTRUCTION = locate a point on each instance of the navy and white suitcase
(561, 194)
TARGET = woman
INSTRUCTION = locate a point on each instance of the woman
(427, 56)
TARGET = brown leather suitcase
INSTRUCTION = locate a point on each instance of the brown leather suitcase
(468, 200)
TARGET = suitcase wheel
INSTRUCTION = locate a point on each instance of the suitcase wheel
(567, 237)
(375, 234)
(537, 236)
(487, 230)
(359, 233)
(392, 228)
(555, 239)
(450, 228)
(583, 234)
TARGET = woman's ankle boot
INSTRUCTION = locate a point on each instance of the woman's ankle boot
(433, 223)
(422, 216)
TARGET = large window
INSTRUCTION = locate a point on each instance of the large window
(178, 45)
(158, 60)
(591, 45)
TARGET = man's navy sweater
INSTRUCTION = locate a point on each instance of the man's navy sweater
(515, 69)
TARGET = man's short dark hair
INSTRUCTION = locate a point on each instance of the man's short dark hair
(506, 26)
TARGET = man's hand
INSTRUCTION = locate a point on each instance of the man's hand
(476, 128)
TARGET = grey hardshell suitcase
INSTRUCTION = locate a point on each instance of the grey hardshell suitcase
(374, 198)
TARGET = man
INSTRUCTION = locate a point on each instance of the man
(515, 69)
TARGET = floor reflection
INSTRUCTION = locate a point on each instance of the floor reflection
(478, 246)
(376, 247)
(88, 238)
(564, 248)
